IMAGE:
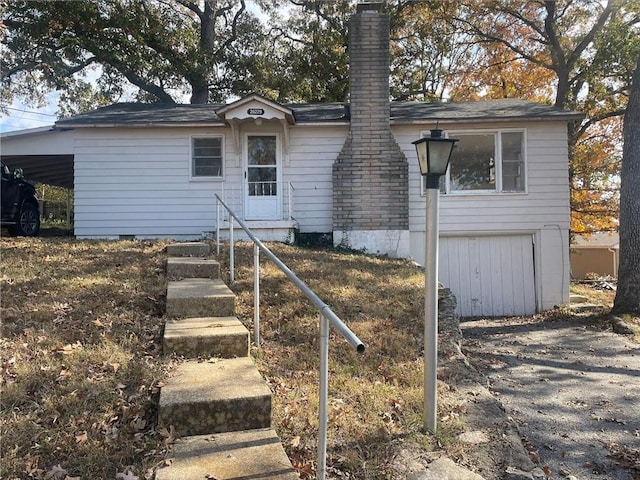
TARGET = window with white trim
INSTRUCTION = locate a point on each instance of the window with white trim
(486, 162)
(206, 157)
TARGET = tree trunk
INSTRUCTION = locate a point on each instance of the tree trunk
(200, 79)
(628, 292)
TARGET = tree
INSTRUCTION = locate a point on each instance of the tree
(160, 49)
(628, 289)
(425, 48)
(587, 48)
(306, 59)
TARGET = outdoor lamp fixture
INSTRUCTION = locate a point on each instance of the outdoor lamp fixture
(434, 153)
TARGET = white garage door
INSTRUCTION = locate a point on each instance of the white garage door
(490, 276)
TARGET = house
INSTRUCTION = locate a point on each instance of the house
(598, 254)
(346, 170)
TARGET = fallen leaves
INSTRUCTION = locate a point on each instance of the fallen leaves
(58, 473)
(76, 396)
(625, 456)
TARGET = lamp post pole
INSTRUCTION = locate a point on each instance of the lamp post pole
(433, 153)
(431, 305)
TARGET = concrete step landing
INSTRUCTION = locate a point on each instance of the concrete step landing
(200, 297)
(587, 308)
(225, 395)
(236, 455)
(192, 267)
(223, 337)
(188, 249)
(576, 298)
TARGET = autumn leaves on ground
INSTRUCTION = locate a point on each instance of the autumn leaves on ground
(82, 364)
(80, 358)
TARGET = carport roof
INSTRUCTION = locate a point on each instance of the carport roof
(50, 169)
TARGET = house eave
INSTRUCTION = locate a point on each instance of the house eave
(68, 126)
(491, 119)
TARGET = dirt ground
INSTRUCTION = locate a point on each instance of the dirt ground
(571, 388)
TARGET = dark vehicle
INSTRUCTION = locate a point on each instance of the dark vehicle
(19, 206)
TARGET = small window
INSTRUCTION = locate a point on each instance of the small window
(512, 162)
(206, 157)
(486, 162)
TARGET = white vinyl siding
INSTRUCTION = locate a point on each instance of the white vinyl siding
(312, 152)
(543, 209)
(138, 182)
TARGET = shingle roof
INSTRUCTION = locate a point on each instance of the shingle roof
(508, 108)
(158, 114)
(145, 114)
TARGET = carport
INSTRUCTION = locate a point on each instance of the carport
(39, 160)
(54, 170)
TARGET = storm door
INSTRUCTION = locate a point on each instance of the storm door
(262, 190)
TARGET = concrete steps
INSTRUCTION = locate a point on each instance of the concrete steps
(188, 249)
(251, 454)
(225, 395)
(191, 267)
(200, 297)
(223, 337)
(217, 402)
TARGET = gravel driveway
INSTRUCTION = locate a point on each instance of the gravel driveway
(572, 390)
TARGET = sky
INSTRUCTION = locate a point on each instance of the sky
(20, 116)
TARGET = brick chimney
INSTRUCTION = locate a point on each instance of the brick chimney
(370, 175)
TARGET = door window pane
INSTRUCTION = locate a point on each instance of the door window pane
(262, 150)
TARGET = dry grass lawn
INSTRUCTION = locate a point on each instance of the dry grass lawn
(81, 359)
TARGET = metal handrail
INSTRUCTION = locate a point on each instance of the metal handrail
(327, 316)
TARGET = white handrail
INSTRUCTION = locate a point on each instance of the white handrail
(327, 316)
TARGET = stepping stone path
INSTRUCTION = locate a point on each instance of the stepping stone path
(216, 401)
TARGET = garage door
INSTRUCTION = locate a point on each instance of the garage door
(490, 276)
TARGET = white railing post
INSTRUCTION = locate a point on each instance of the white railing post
(231, 253)
(324, 397)
(290, 202)
(218, 207)
(256, 293)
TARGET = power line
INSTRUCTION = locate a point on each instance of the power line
(31, 112)
(22, 126)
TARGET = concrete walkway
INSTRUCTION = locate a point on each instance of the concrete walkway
(572, 389)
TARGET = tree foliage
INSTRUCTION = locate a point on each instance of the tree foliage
(99, 52)
(425, 48)
(307, 59)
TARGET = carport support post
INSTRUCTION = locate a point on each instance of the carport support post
(431, 306)
(68, 209)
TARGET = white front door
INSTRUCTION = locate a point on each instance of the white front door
(262, 190)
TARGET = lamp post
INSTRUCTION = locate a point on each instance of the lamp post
(434, 153)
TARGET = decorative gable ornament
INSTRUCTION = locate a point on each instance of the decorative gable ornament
(258, 109)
